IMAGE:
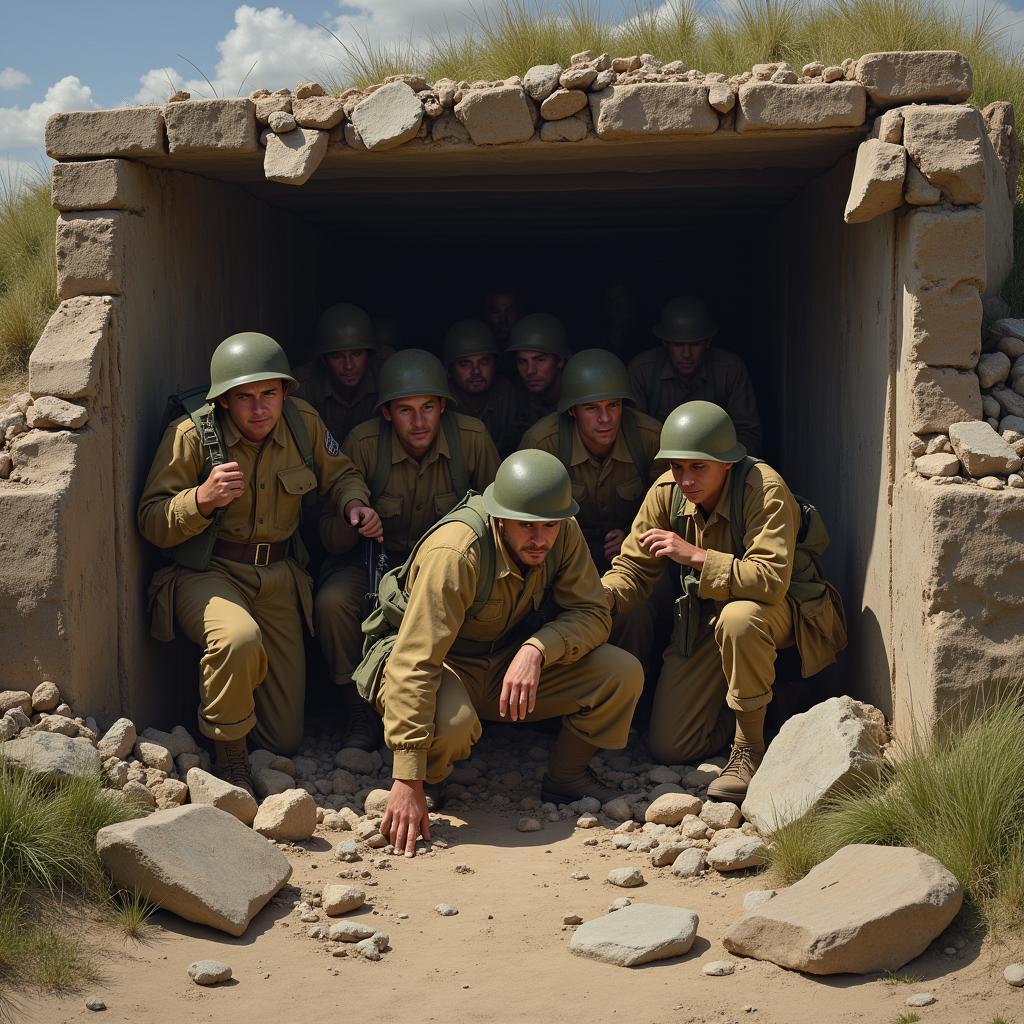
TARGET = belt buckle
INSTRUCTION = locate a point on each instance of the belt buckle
(262, 555)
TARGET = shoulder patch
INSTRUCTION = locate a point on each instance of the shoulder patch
(332, 446)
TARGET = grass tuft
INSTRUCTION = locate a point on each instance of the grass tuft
(908, 1017)
(131, 912)
(891, 978)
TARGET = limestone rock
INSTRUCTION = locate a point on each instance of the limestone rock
(867, 908)
(274, 104)
(177, 741)
(563, 103)
(877, 185)
(169, 793)
(209, 972)
(211, 126)
(939, 464)
(618, 809)
(291, 159)
(945, 144)
(671, 808)
(915, 76)
(652, 108)
(281, 122)
(20, 699)
(52, 755)
(154, 755)
(690, 863)
(1014, 975)
(569, 129)
(738, 853)
(290, 816)
(665, 854)
(388, 117)
(360, 762)
(836, 745)
(918, 190)
(637, 934)
(718, 968)
(45, 697)
(205, 788)
(308, 89)
(118, 740)
(494, 117)
(626, 878)
(268, 782)
(350, 931)
(90, 134)
(320, 112)
(446, 910)
(889, 127)
(178, 858)
(541, 81)
(48, 413)
(757, 898)
(767, 106)
(376, 802)
(721, 97)
(448, 128)
(719, 815)
(993, 368)
(341, 899)
(1009, 327)
(981, 450)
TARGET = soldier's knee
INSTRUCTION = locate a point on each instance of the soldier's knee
(456, 725)
(737, 620)
(241, 642)
(672, 749)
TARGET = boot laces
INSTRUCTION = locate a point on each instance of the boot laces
(741, 763)
(236, 766)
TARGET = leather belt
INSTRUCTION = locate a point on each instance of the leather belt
(251, 554)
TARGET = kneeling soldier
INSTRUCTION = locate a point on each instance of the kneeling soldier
(226, 503)
(472, 646)
(420, 458)
(734, 612)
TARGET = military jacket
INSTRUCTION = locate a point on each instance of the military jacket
(500, 410)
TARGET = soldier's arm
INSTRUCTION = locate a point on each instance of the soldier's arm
(336, 533)
(763, 573)
(442, 585)
(584, 621)
(337, 475)
(635, 571)
(168, 514)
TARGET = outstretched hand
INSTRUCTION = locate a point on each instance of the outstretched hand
(521, 682)
(365, 520)
(406, 817)
(667, 544)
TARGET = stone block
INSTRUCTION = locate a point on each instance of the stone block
(496, 117)
(919, 191)
(939, 464)
(211, 127)
(541, 81)
(197, 862)
(569, 129)
(1000, 122)
(388, 117)
(877, 185)
(563, 103)
(321, 112)
(287, 816)
(91, 253)
(69, 357)
(49, 413)
(915, 76)
(941, 396)
(98, 185)
(653, 108)
(865, 909)
(291, 159)
(738, 853)
(945, 144)
(671, 808)
(836, 746)
(767, 106)
(981, 450)
(89, 134)
(205, 788)
(637, 934)
(52, 756)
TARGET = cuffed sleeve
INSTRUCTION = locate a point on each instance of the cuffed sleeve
(410, 765)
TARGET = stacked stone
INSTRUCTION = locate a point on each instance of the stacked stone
(25, 413)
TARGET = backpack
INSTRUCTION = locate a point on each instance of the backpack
(629, 433)
(456, 460)
(196, 552)
(380, 628)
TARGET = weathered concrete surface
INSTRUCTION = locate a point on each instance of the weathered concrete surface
(211, 126)
(97, 185)
(1000, 126)
(981, 451)
(767, 106)
(88, 134)
(877, 185)
(896, 77)
(91, 253)
(940, 396)
(945, 142)
(998, 210)
(68, 358)
(658, 108)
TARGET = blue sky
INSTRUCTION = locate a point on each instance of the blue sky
(60, 55)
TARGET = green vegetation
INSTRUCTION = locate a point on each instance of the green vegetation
(957, 795)
(131, 912)
(908, 1018)
(891, 978)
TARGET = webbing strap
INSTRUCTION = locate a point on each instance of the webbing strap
(300, 435)
(456, 458)
(382, 470)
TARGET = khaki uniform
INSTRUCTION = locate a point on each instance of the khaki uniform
(417, 494)
(609, 492)
(247, 618)
(500, 410)
(432, 699)
(339, 409)
(747, 619)
(533, 409)
(722, 379)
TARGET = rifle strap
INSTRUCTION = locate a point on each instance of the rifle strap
(636, 449)
(382, 469)
(456, 458)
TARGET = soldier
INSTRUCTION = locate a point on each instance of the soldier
(452, 666)
(502, 308)
(225, 503)
(420, 458)
(540, 347)
(610, 452)
(686, 368)
(341, 381)
(471, 355)
(734, 613)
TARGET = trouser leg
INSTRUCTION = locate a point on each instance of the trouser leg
(749, 635)
(339, 616)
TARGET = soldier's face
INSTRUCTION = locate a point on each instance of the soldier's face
(416, 421)
(348, 368)
(598, 424)
(538, 370)
(701, 482)
(501, 311)
(528, 543)
(474, 375)
(686, 359)
(255, 408)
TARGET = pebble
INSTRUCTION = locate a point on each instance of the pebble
(718, 968)
(921, 999)
(572, 919)
(208, 972)
(621, 903)
(579, 876)
(626, 878)
(95, 1003)
(758, 898)
(587, 821)
(1014, 975)
(446, 910)
(346, 851)
(528, 825)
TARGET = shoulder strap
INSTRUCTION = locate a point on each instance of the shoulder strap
(300, 435)
(676, 507)
(636, 449)
(740, 472)
(382, 470)
(456, 457)
(565, 426)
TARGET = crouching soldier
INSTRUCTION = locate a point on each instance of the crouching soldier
(420, 458)
(476, 643)
(224, 496)
(732, 525)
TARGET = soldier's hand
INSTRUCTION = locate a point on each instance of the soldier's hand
(364, 519)
(519, 688)
(667, 544)
(220, 488)
(613, 543)
(406, 817)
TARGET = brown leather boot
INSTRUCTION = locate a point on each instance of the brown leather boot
(744, 759)
(569, 777)
(363, 728)
(233, 764)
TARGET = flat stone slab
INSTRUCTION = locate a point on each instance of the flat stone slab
(945, 144)
(914, 76)
(981, 450)
(878, 178)
(198, 862)
(865, 909)
(86, 134)
(767, 106)
(211, 126)
(52, 755)
(637, 934)
(291, 159)
(652, 108)
(388, 117)
(495, 117)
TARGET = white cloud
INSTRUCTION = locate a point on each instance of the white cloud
(12, 78)
(22, 127)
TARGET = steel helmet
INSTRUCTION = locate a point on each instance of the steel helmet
(685, 320)
(468, 338)
(700, 430)
(412, 371)
(342, 328)
(539, 332)
(244, 358)
(593, 375)
(531, 486)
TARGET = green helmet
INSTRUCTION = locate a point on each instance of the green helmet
(412, 372)
(468, 338)
(531, 486)
(593, 375)
(244, 358)
(685, 320)
(539, 332)
(700, 430)
(342, 328)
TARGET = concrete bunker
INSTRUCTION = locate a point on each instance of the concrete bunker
(863, 338)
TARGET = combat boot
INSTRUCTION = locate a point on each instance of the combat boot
(744, 758)
(233, 764)
(363, 728)
(569, 777)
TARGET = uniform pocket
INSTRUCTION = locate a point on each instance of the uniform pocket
(579, 491)
(388, 506)
(490, 611)
(293, 484)
(444, 503)
(632, 490)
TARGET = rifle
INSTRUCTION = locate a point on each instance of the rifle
(375, 558)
